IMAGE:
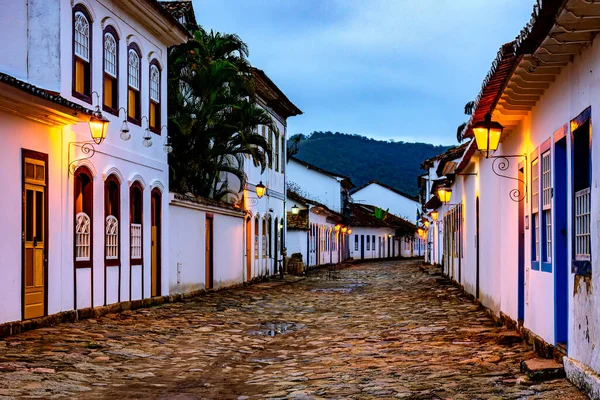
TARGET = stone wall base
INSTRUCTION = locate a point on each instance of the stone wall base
(583, 378)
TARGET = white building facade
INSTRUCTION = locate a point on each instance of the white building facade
(387, 198)
(529, 232)
(87, 222)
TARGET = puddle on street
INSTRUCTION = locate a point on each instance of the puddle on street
(275, 328)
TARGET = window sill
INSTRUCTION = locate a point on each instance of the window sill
(547, 267)
(155, 130)
(110, 110)
(581, 267)
(134, 121)
(82, 97)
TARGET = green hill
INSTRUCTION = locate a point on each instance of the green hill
(397, 164)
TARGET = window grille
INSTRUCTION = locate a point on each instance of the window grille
(548, 218)
(82, 237)
(155, 84)
(136, 241)
(535, 186)
(134, 70)
(356, 243)
(82, 36)
(546, 181)
(112, 238)
(582, 225)
(110, 55)
(537, 236)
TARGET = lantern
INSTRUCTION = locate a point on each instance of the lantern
(487, 135)
(349, 231)
(444, 194)
(344, 230)
(260, 189)
(435, 215)
(98, 128)
(426, 222)
(337, 228)
(420, 232)
(295, 210)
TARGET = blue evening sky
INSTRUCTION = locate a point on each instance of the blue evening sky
(387, 69)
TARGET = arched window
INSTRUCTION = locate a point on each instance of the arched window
(155, 120)
(283, 153)
(112, 207)
(264, 238)
(83, 203)
(136, 206)
(134, 72)
(111, 70)
(82, 53)
(256, 233)
(276, 238)
(276, 151)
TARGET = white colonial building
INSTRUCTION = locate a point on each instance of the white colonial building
(528, 228)
(388, 198)
(83, 223)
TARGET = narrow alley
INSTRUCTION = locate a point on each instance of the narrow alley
(374, 330)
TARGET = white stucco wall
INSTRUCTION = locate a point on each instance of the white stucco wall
(381, 197)
(187, 248)
(315, 185)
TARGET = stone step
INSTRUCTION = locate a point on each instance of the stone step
(542, 369)
(508, 338)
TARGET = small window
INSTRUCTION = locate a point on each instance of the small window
(82, 54)
(83, 217)
(111, 85)
(581, 188)
(133, 82)
(256, 233)
(369, 243)
(270, 139)
(356, 243)
(264, 238)
(547, 207)
(535, 218)
(155, 117)
(276, 141)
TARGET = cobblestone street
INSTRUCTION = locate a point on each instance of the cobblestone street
(381, 330)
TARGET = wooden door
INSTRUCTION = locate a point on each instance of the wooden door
(156, 229)
(34, 238)
(248, 250)
(209, 252)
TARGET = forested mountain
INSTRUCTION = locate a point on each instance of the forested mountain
(397, 164)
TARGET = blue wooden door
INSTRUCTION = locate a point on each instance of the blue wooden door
(561, 298)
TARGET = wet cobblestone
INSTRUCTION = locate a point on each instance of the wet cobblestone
(381, 330)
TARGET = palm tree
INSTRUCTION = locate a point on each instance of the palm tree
(468, 111)
(213, 115)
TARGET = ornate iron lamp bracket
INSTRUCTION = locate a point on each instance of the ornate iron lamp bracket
(501, 164)
(87, 149)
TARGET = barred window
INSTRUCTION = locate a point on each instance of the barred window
(154, 83)
(136, 241)
(535, 185)
(112, 238)
(82, 237)
(582, 225)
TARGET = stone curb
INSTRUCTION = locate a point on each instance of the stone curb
(16, 327)
(583, 378)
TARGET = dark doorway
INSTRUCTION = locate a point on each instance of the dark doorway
(209, 252)
(156, 250)
(362, 247)
(477, 247)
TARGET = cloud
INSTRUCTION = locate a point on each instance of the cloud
(383, 68)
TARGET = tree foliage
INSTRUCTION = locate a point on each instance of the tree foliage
(213, 115)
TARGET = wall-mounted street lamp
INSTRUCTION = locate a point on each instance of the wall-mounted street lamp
(295, 210)
(420, 232)
(98, 125)
(124, 132)
(444, 194)
(487, 137)
(260, 190)
(426, 222)
(349, 231)
(344, 229)
(390, 235)
(435, 215)
(337, 228)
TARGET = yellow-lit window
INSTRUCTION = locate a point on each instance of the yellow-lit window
(154, 98)
(81, 48)
(110, 72)
(133, 81)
